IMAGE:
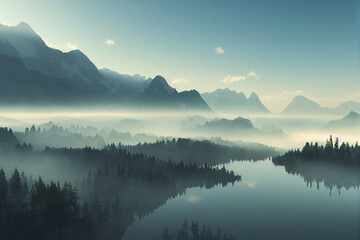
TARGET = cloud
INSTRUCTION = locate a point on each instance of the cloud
(193, 199)
(109, 42)
(182, 81)
(70, 46)
(231, 79)
(219, 50)
(64, 48)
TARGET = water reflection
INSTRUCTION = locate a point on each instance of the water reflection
(333, 175)
(269, 203)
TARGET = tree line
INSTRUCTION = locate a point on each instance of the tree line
(194, 231)
(108, 189)
(332, 151)
(199, 152)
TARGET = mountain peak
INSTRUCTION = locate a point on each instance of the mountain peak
(303, 106)
(159, 85)
(24, 27)
(160, 80)
(300, 97)
(352, 115)
(254, 96)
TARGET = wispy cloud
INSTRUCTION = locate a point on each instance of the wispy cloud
(233, 78)
(219, 50)
(180, 81)
(64, 48)
(109, 42)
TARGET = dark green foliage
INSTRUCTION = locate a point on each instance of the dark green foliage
(58, 137)
(331, 152)
(7, 140)
(117, 186)
(121, 186)
(336, 166)
(199, 152)
(194, 234)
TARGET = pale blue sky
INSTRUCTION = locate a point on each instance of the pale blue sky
(309, 47)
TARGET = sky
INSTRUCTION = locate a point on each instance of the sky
(276, 48)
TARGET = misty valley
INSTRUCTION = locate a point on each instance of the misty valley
(89, 153)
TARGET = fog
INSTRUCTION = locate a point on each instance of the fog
(138, 125)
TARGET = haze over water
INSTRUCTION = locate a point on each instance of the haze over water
(267, 204)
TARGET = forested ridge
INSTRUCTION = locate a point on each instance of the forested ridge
(200, 152)
(111, 187)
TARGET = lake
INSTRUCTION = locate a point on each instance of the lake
(269, 203)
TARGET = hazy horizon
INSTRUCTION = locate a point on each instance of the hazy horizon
(208, 53)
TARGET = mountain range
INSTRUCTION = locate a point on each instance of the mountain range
(33, 73)
(350, 122)
(230, 101)
(301, 105)
(236, 127)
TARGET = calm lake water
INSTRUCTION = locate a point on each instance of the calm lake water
(268, 204)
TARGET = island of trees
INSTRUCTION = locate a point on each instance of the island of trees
(336, 165)
(333, 151)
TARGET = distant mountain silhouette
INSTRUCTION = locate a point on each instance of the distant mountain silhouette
(347, 107)
(159, 93)
(350, 122)
(226, 125)
(230, 101)
(301, 105)
(20, 85)
(33, 73)
(238, 128)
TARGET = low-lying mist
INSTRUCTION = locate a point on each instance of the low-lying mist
(133, 126)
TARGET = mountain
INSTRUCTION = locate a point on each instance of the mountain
(301, 105)
(123, 83)
(226, 125)
(33, 73)
(350, 122)
(9, 122)
(230, 101)
(346, 107)
(20, 85)
(159, 93)
(36, 55)
(238, 128)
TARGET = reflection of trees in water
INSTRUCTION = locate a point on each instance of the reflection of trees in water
(142, 190)
(335, 164)
(333, 175)
(195, 232)
(118, 187)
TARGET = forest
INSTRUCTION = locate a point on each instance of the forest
(110, 187)
(200, 152)
(334, 164)
(333, 151)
